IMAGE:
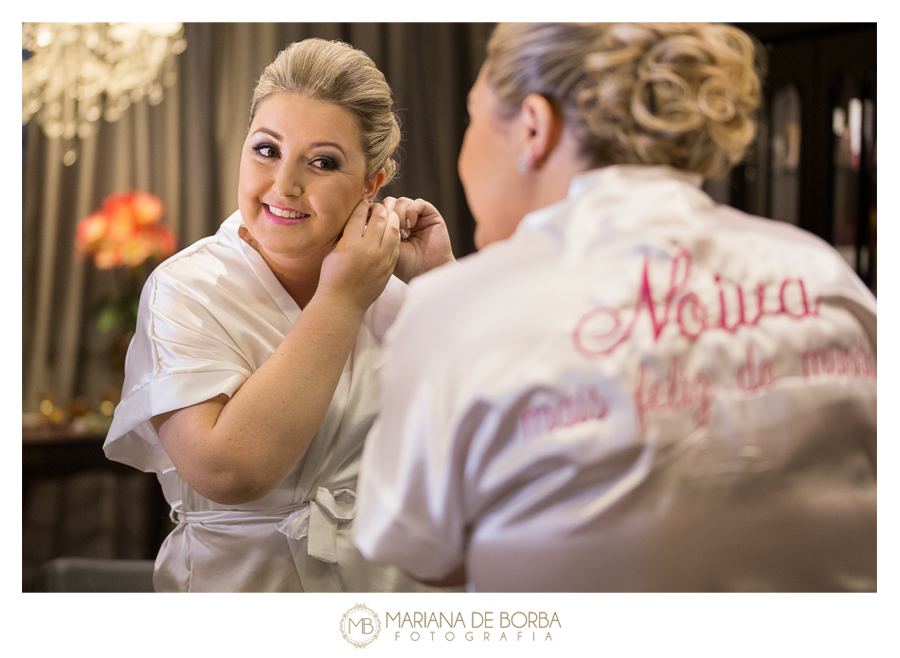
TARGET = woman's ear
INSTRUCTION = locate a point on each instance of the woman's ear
(373, 185)
(543, 128)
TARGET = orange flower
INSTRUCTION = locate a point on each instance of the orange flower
(126, 231)
(121, 228)
(118, 206)
(90, 231)
(108, 257)
(147, 208)
(135, 252)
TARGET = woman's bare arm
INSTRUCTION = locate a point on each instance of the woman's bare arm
(237, 450)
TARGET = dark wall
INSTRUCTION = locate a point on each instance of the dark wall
(829, 63)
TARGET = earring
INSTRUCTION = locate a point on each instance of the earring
(524, 162)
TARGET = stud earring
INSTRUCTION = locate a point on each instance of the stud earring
(524, 162)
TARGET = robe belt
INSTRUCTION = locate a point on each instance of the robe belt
(317, 519)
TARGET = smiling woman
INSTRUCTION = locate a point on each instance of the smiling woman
(302, 173)
(250, 382)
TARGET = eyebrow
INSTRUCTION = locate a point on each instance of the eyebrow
(334, 144)
(269, 132)
(278, 136)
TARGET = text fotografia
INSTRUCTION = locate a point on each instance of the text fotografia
(477, 626)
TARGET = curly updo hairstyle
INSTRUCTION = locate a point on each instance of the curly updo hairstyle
(683, 95)
(335, 72)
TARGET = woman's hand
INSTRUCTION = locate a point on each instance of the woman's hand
(427, 243)
(362, 261)
(236, 450)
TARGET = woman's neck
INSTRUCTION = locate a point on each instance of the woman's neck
(300, 284)
(298, 276)
(551, 184)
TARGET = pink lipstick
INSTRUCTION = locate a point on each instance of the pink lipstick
(284, 216)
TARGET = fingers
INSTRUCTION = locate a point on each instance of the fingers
(410, 211)
(383, 226)
(356, 224)
(391, 233)
(387, 227)
(402, 207)
(378, 217)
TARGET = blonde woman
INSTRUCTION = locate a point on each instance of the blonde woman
(630, 388)
(250, 382)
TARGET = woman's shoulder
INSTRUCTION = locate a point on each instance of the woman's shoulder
(457, 306)
(775, 231)
(206, 262)
(218, 246)
(487, 273)
(784, 246)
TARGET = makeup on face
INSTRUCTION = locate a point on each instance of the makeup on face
(302, 174)
(284, 216)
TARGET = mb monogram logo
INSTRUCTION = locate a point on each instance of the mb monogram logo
(360, 626)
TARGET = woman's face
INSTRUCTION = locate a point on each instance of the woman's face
(302, 174)
(488, 167)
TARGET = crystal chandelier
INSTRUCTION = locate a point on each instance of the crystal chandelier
(74, 73)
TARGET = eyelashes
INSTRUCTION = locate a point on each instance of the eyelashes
(328, 164)
(269, 151)
(266, 150)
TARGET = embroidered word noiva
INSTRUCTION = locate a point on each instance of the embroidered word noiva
(600, 331)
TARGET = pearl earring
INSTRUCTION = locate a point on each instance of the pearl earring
(524, 162)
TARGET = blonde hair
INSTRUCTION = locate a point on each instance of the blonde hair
(683, 95)
(335, 72)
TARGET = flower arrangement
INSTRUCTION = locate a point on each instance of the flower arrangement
(125, 233)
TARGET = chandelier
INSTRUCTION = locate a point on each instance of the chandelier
(75, 73)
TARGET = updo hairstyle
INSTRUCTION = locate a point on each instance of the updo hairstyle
(683, 95)
(334, 72)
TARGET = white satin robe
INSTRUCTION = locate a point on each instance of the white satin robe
(209, 317)
(567, 411)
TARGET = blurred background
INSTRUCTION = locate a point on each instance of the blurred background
(131, 141)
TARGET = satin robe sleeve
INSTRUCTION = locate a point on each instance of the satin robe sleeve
(184, 352)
